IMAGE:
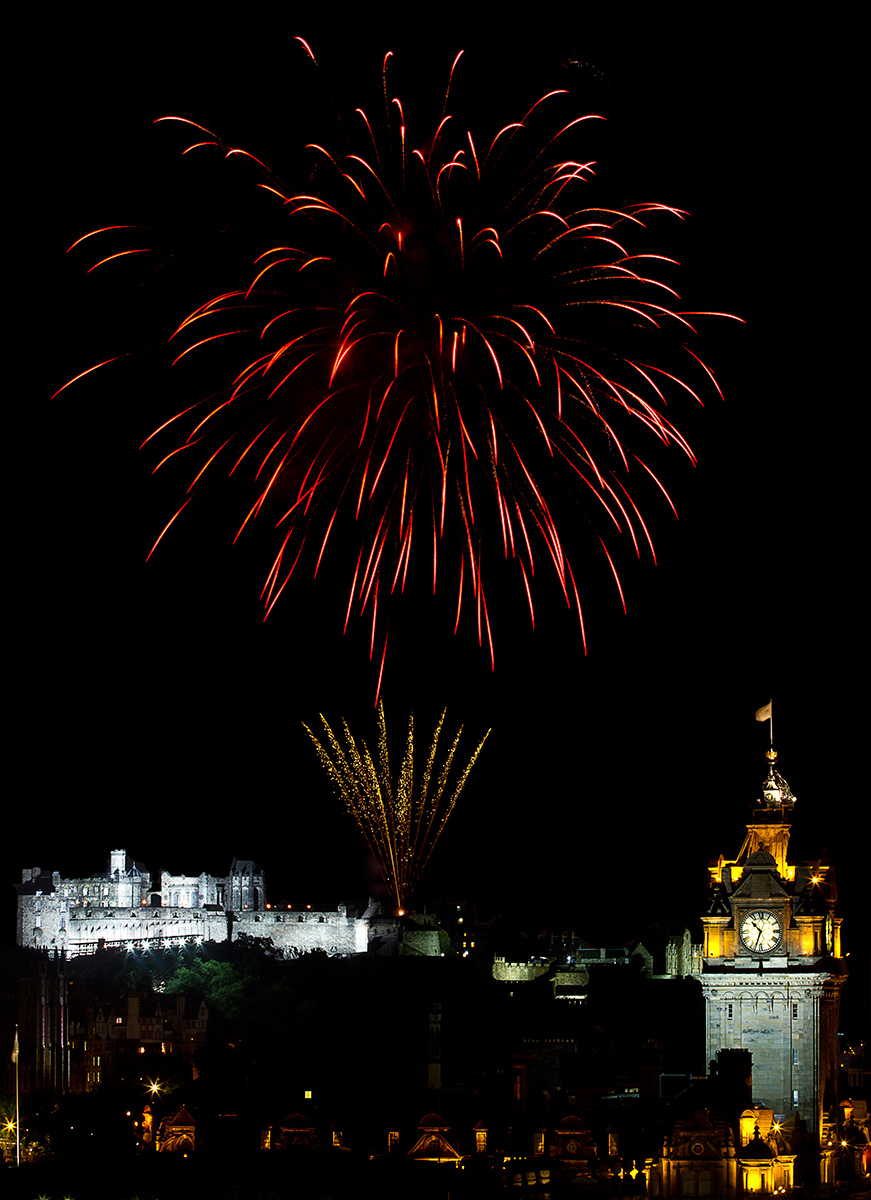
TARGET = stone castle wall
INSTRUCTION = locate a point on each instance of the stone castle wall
(519, 972)
(126, 907)
(300, 931)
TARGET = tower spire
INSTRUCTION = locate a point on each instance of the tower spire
(776, 792)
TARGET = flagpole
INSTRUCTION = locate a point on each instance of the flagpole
(17, 1118)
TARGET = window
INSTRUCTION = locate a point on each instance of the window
(795, 1098)
(795, 1012)
(728, 1012)
(795, 1057)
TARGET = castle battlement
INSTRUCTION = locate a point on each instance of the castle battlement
(128, 907)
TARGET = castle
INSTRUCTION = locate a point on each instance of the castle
(125, 907)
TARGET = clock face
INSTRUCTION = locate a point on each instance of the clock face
(760, 931)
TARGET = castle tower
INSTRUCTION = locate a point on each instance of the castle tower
(773, 969)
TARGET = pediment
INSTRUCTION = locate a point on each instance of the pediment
(698, 1136)
(180, 1120)
(434, 1146)
(760, 885)
(761, 858)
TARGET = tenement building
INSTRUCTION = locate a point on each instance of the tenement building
(128, 907)
(772, 965)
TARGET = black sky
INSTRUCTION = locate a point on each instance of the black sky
(154, 709)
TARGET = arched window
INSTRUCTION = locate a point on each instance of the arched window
(688, 1183)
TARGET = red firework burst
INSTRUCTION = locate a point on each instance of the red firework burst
(444, 351)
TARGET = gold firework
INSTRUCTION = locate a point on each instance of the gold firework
(400, 819)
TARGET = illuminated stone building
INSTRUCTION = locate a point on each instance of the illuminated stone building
(128, 907)
(177, 1133)
(772, 967)
(701, 1157)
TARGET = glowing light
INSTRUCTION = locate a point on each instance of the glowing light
(400, 372)
(400, 817)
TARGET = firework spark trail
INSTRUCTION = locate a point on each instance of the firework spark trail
(433, 327)
(400, 820)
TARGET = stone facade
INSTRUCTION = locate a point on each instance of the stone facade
(127, 907)
(772, 965)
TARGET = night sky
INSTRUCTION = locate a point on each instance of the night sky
(153, 708)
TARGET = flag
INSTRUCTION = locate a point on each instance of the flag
(15, 1047)
(764, 713)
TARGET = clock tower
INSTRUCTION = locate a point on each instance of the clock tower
(772, 966)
